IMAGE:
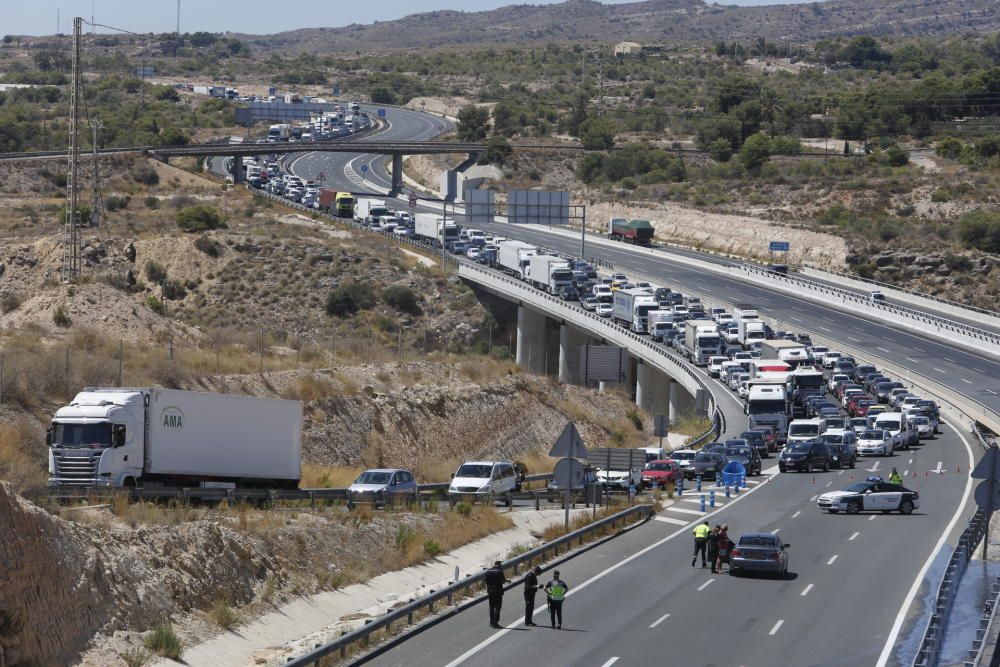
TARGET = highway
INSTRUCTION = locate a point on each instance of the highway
(853, 583)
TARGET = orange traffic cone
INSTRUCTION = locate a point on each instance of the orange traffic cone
(914, 473)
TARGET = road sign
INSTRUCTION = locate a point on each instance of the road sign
(336, 91)
(612, 458)
(381, 113)
(273, 90)
(780, 246)
(988, 496)
(413, 200)
(660, 425)
(568, 474)
(364, 167)
(321, 177)
(569, 444)
(988, 466)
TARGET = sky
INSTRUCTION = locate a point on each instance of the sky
(40, 17)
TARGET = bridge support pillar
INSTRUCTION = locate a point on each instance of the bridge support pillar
(652, 390)
(531, 340)
(397, 174)
(570, 342)
(238, 171)
(682, 404)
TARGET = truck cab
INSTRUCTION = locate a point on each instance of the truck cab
(97, 440)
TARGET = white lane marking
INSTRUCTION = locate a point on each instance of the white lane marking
(676, 522)
(805, 591)
(950, 361)
(840, 473)
(909, 462)
(856, 533)
(752, 482)
(696, 501)
(659, 620)
(832, 559)
(978, 370)
(706, 584)
(858, 329)
(828, 319)
(798, 309)
(938, 469)
(795, 319)
(939, 370)
(777, 626)
(890, 640)
(682, 510)
(813, 499)
(913, 360)
(610, 662)
(874, 467)
(966, 381)
(597, 577)
(882, 348)
(829, 484)
(826, 330)
(993, 392)
(796, 514)
(776, 531)
(906, 473)
(917, 348)
(856, 340)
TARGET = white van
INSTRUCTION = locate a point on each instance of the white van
(805, 429)
(899, 427)
(483, 479)
(656, 454)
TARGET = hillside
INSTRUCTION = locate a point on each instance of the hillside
(649, 21)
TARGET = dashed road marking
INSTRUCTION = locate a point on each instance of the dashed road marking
(706, 584)
(906, 473)
(832, 559)
(676, 522)
(851, 538)
(882, 349)
(909, 462)
(829, 484)
(659, 620)
(682, 510)
(795, 319)
(938, 470)
(856, 340)
(813, 499)
(806, 590)
(610, 662)
(950, 361)
(796, 514)
(872, 517)
(913, 360)
(966, 381)
(939, 370)
(826, 330)
(777, 626)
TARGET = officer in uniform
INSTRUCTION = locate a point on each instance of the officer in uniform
(530, 588)
(556, 592)
(701, 532)
(495, 581)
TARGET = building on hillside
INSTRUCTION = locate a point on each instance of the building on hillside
(628, 49)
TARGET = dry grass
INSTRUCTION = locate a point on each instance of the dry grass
(22, 454)
(415, 545)
(316, 476)
(691, 425)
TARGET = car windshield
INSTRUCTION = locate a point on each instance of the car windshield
(801, 447)
(872, 435)
(920, 420)
(830, 439)
(752, 436)
(888, 425)
(758, 541)
(81, 435)
(480, 470)
(809, 430)
(740, 450)
(373, 477)
(682, 456)
(658, 466)
(858, 487)
(704, 458)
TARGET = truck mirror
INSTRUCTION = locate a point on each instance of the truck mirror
(118, 435)
(48, 436)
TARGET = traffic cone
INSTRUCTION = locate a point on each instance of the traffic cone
(814, 479)
(914, 473)
(927, 473)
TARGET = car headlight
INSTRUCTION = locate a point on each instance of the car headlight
(484, 488)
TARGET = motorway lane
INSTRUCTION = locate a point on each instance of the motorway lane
(963, 372)
(727, 621)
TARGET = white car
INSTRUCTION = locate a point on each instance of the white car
(925, 427)
(836, 378)
(818, 352)
(872, 495)
(603, 309)
(619, 479)
(830, 358)
(603, 293)
(744, 390)
(876, 442)
(683, 457)
(403, 231)
(724, 320)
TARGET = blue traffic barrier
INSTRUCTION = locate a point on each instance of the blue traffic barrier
(703, 502)
(711, 498)
(698, 483)
(727, 491)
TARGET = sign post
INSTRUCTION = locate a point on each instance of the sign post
(568, 470)
(778, 246)
(364, 171)
(660, 426)
(988, 492)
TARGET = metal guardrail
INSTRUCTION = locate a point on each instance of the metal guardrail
(459, 589)
(929, 652)
(977, 654)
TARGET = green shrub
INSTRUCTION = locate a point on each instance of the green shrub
(349, 298)
(61, 318)
(115, 203)
(145, 174)
(156, 305)
(223, 615)
(173, 290)
(432, 548)
(163, 641)
(151, 202)
(155, 272)
(950, 148)
(135, 657)
(940, 195)
(403, 299)
(404, 537)
(980, 230)
(208, 245)
(199, 219)
(10, 301)
(463, 507)
(720, 150)
(896, 156)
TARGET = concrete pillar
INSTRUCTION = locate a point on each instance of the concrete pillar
(570, 343)
(652, 390)
(237, 170)
(397, 173)
(530, 340)
(681, 402)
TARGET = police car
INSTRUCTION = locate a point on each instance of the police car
(872, 495)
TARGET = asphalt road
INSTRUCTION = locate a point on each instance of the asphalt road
(636, 600)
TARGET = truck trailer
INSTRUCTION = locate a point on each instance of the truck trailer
(125, 436)
(791, 352)
(340, 204)
(439, 231)
(701, 341)
(751, 332)
(279, 132)
(631, 308)
(768, 405)
(368, 210)
(639, 232)
(549, 273)
(513, 257)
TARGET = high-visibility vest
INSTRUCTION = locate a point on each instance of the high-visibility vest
(701, 531)
(557, 590)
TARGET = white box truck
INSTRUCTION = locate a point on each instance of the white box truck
(768, 405)
(279, 132)
(701, 341)
(630, 308)
(151, 436)
(513, 257)
(791, 352)
(660, 324)
(549, 273)
(751, 332)
(745, 311)
(435, 229)
(369, 210)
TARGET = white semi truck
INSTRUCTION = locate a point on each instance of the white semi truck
(369, 210)
(145, 436)
(791, 352)
(549, 273)
(435, 229)
(279, 132)
(751, 332)
(660, 324)
(768, 405)
(701, 341)
(513, 257)
(631, 307)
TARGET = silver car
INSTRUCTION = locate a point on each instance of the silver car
(759, 552)
(383, 485)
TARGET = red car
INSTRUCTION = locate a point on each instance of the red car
(662, 471)
(853, 401)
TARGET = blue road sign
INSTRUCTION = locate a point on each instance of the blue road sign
(273, 90)
(364, 167)
(780, 246)
(381, 113)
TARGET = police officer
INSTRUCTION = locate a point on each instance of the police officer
(495, 581)
(701, 532)
(895, 478)
(530, 588)
(556, 592)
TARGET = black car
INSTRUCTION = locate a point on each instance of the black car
(745, 455)
(707, 465)
(805, 456)
(717, 447)
(569, 293)
(757, 441)
(805, 339)
(842, 456)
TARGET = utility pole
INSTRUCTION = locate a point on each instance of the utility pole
(177, 40)
(96, 202)
(600, 85)
(71, 235)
